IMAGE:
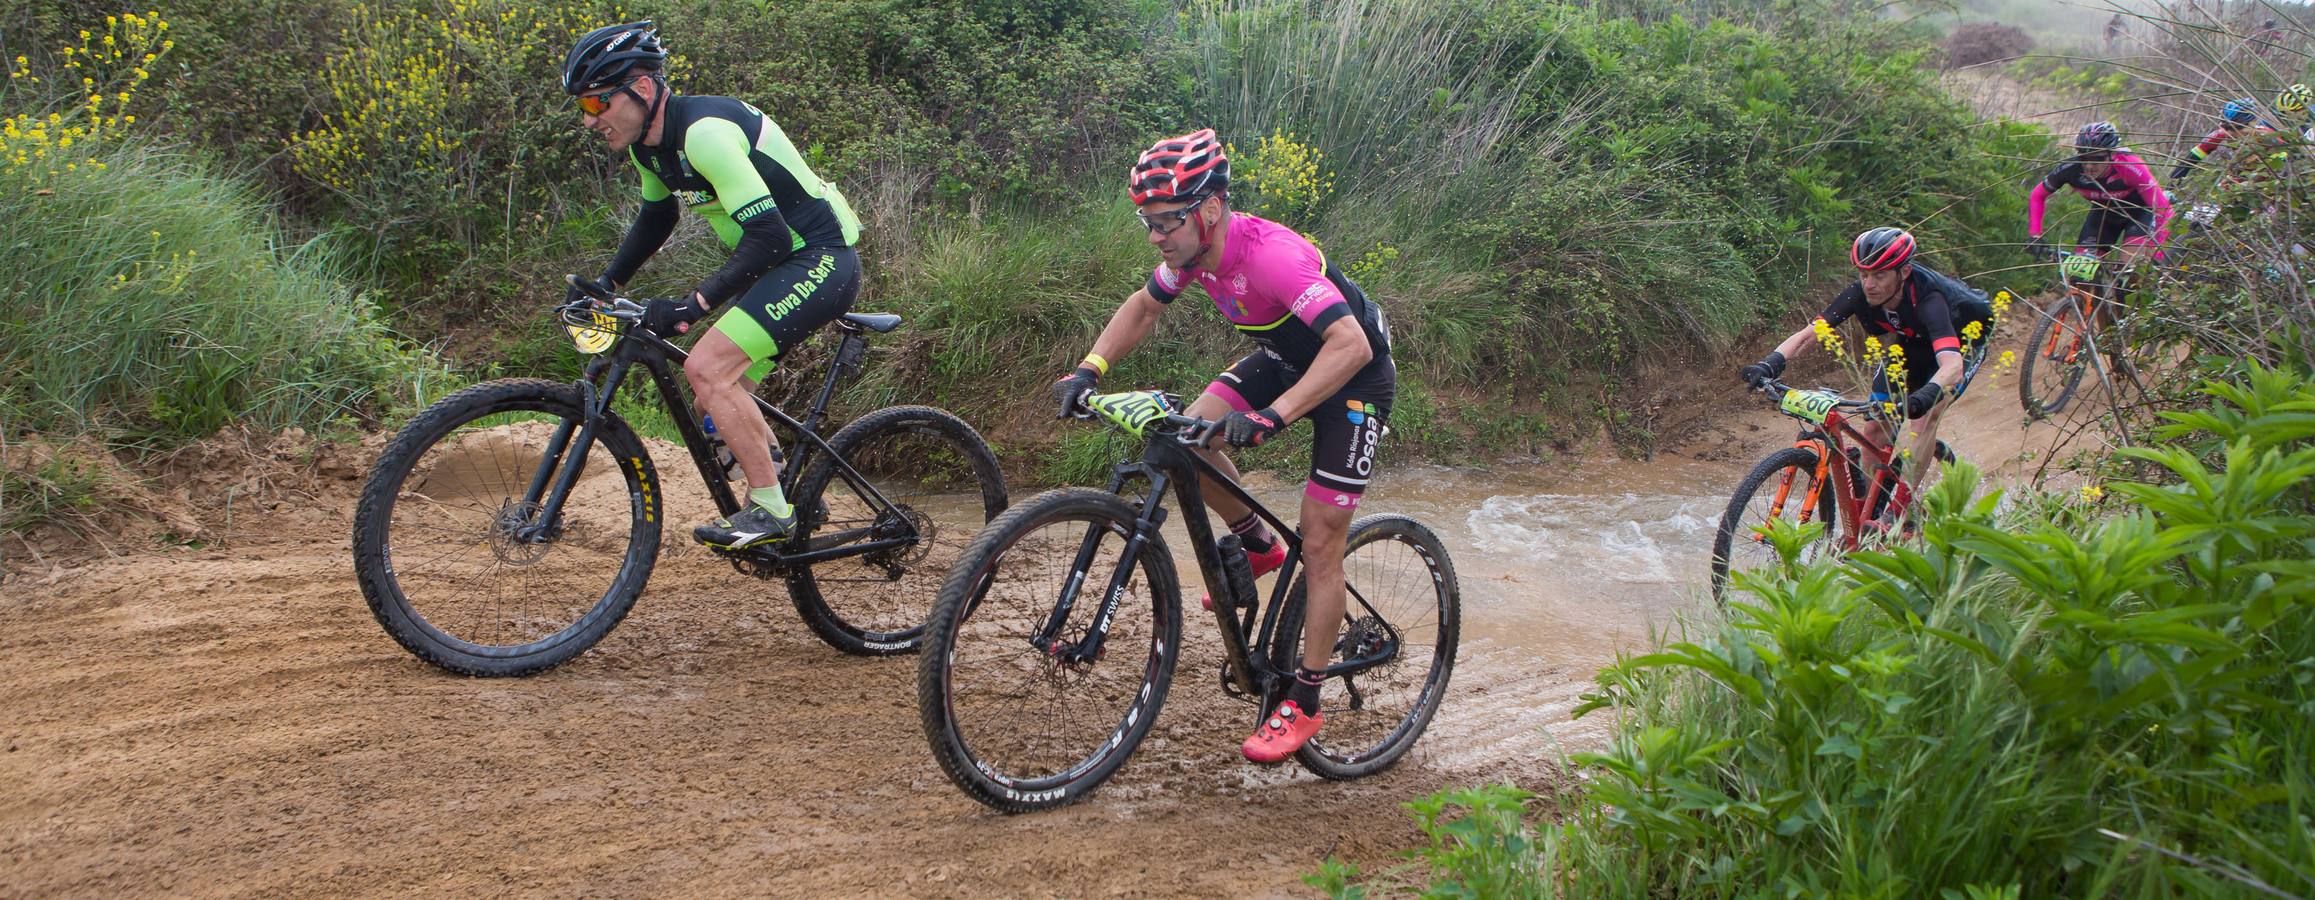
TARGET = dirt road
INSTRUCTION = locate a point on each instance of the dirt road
(214, 722)
(231, 721)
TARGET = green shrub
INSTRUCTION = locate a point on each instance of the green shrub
(157, 303)
(163, 306)
(440, 129)
(2055, 697)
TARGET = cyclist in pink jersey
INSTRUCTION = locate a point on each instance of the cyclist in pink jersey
(2127, 207)
(1322, 353)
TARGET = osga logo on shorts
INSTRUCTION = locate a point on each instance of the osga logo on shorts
(1360, 460)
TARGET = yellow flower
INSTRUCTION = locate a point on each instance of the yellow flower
(2092, 493)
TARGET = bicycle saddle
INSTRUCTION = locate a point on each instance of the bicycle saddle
(876, 322)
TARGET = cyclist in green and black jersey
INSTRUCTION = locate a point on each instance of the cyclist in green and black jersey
(792, 267)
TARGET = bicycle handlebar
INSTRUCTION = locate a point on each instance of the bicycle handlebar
(1868, 407)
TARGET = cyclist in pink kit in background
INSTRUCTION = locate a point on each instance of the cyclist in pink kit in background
(1323, 354)
(2127, 207)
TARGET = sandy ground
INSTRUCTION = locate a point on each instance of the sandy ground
(232, 721)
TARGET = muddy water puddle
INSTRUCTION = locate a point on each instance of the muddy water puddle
(1562, 565)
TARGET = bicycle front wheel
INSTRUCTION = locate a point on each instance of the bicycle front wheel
(450, 547)
(1021, 709)
(1777, 488)
(2056, 356)
(942, 483)
(1401, 598)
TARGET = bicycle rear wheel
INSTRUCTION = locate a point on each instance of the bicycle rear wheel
(448, 549)
(943, 483)
(1777, 488)
(1015, 716)
(2056, 356)
(1401, 590)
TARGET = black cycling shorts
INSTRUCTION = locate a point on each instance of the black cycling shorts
(2107, 226)
(1349, 424)
(791, 301)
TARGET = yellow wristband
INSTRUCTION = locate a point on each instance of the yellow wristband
(1098, 364)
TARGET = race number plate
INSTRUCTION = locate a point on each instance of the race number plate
(1811, 406)
(597, 338)
(1132, 411)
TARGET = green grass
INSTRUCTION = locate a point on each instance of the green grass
(159, 304)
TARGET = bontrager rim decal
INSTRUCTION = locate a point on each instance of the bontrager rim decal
(1810, 405)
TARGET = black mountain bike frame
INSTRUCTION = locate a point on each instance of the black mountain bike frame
(551, 485)
(1168, 461)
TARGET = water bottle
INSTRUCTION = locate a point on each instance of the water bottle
(725, 462)
(1237, 573)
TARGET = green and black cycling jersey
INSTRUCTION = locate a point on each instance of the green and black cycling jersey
(729, 161)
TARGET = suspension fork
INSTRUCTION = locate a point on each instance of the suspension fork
(1153, 514)
(1784, 485)
(559, 465)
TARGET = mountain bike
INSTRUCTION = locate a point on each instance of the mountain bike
(1055, 637)
(511, 525)
(2067, 330)
(1845, 445)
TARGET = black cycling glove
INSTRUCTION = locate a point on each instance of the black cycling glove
(1759, 374)
(1072, 389)
(668, 318)
(1250, 429)
(1922, 401)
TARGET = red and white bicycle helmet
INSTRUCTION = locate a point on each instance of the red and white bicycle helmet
(1190, 167)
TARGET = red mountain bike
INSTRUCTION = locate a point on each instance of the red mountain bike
(1792, 483)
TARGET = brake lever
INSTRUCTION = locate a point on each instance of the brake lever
(1195, 432)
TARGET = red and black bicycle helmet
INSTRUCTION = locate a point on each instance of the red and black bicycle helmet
(1190, 167)
(1882, 248)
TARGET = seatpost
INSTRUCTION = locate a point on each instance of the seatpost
(848, 354)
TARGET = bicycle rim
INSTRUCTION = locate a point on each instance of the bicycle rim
(1778, 488)
(1401, 590)
(457, 579)
(942, 484)
(2057, 358)
(1035, 727)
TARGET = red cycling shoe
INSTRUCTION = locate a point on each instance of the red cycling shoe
(1284, 732)
(1261, 563)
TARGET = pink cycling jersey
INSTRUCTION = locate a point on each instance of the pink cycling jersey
(2128, 183)
(1274, 286)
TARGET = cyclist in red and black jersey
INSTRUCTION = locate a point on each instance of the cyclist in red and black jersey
(1912, 307)
(1323, 354)
(2240, 115)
